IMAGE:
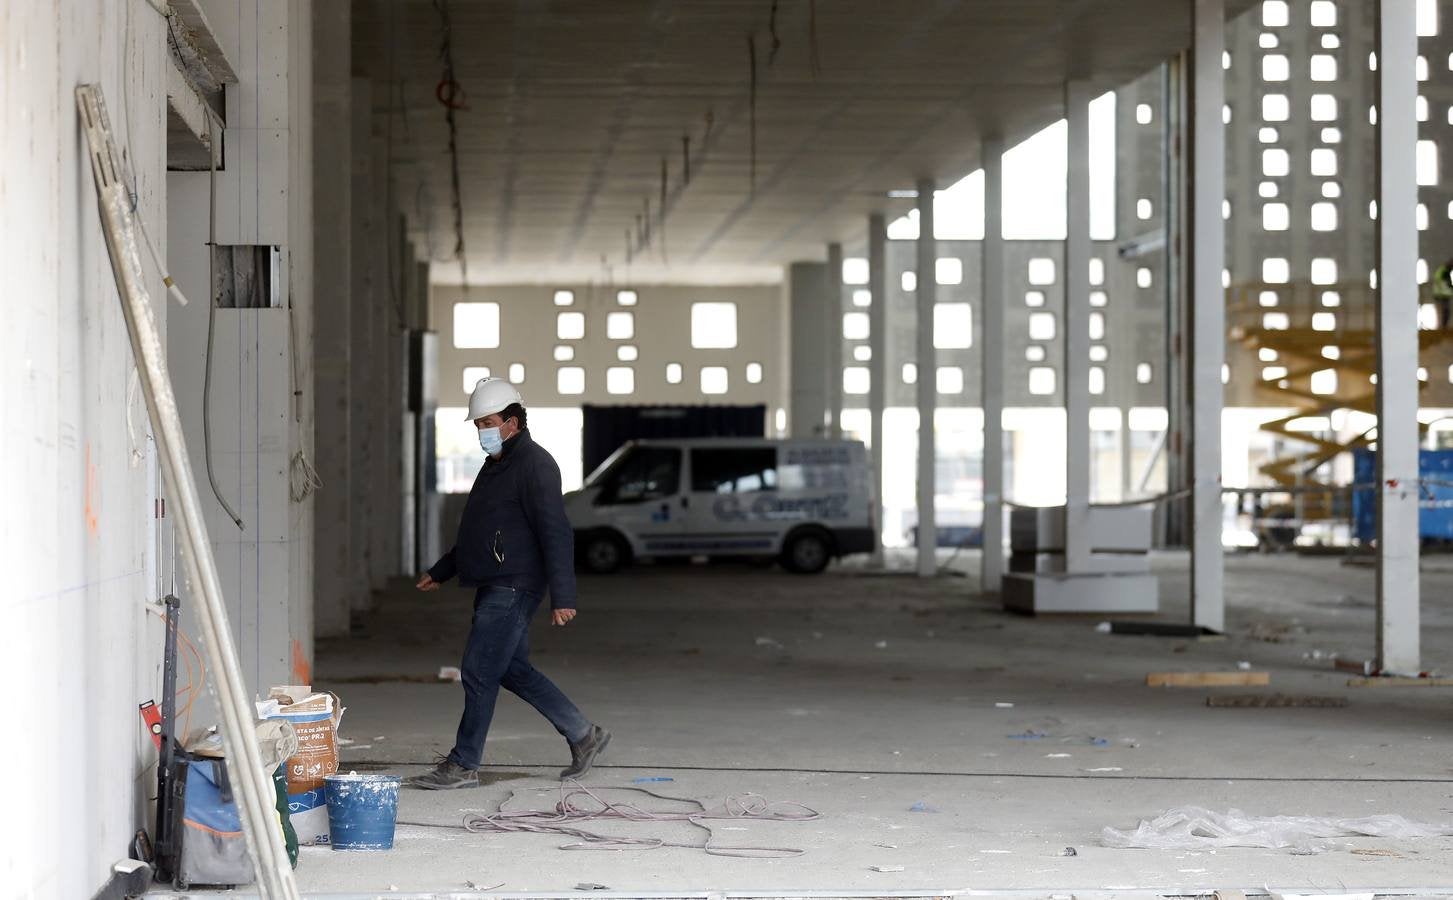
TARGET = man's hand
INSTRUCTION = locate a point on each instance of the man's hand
(561, 616)
(426, 582)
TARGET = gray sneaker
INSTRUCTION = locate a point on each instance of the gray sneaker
(447, 776)
(583, 754)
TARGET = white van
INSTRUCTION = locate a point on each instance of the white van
(802, 502)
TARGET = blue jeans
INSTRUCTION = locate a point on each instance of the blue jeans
(498, 655)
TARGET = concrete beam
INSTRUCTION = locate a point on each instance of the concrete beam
(1398, 608)
(1207, 244)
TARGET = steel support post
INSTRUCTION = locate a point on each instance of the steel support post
(1076, 368)
(1207, 244)
(991, 357)
(925, 359)
(1397, 340)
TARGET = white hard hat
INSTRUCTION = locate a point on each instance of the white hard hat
(491, 395)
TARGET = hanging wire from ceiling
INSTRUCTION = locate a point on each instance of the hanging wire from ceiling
(450, 94)
(813, 61)
(661, 216)
(640, 238)
(772, 31)
(752, 111)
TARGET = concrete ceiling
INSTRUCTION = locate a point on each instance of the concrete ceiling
(572, 107)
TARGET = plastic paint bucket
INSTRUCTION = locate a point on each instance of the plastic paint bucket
(362, 810)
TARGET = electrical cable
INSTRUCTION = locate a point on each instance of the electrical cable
(450, 93)
(303, 478)
(772, 32)
(196, 677)
(752, 112)
(579, 804)
(813, 61)
(212, 323)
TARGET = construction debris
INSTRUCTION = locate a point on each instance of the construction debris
(1399, 681)
(1275, 701)
(1194, 828)
(1159, 629)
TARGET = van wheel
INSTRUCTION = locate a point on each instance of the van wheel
(603, 553)
(806, 552)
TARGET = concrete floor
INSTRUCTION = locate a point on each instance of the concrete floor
(862, 695)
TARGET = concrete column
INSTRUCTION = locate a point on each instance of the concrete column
(877, 364)
(1076, 368)
(806, 285)
(991, 358)
(302, 442)
(1398, 628)
(333, 576)
(926, 360)
(384, 379)
(833, 334)
(363, 438)
(1127, 468)
(424, 317)
(1207, 246)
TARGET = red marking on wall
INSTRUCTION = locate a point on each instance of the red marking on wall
(1392, 483)
(92, 524)
(302, 669)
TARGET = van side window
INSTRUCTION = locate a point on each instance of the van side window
(733, 470)
(648, 473)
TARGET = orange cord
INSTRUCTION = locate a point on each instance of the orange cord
(196, 679)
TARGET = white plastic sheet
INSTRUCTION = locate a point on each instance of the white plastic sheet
(1194, 828)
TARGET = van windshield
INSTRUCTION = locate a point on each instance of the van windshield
(611, 463)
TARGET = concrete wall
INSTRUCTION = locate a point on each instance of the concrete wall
(261, 415)
(88, 557)
(77, 466)
(662, 336)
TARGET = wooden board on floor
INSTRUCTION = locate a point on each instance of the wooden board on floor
(1208, 679)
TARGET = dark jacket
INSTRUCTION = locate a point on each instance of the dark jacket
(515, 511)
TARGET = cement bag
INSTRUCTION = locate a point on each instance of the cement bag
(315, 718)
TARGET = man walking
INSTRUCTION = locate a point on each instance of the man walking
(514, 541)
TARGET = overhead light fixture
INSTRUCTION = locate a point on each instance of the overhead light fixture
(904, 195)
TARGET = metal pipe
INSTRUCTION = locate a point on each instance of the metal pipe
(254, 789)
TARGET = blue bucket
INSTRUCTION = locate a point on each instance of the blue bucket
(362, 810)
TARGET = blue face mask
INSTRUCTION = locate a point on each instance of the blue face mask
(490, 441)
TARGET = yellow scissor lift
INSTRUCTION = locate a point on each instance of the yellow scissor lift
(1311, 343)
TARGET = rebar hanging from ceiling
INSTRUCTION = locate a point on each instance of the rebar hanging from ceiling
(450, 95)
(640, 237)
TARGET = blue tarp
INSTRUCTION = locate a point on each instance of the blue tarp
(1435, 517)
